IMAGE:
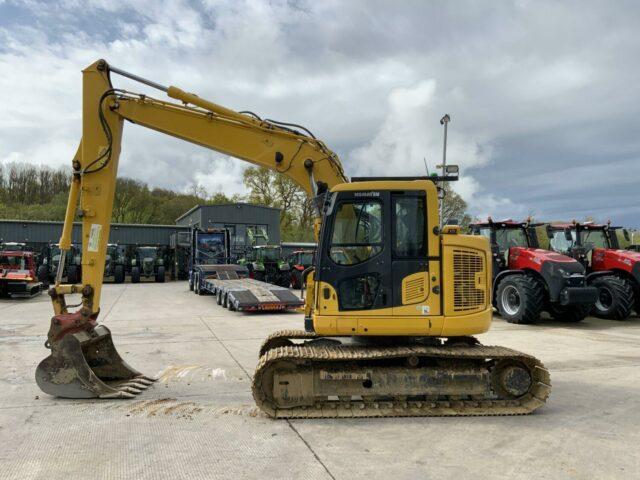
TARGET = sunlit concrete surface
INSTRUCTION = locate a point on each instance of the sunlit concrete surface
(199, 420)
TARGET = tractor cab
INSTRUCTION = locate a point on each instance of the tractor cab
(579, 240)
(507, 239)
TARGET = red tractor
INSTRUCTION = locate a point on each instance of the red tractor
(299, 262)
(18, 274)
(613, 271)
(528, 280)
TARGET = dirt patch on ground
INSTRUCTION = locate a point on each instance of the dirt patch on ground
(181, 409)
(189, 372)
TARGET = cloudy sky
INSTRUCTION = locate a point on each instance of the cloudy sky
(544, 95)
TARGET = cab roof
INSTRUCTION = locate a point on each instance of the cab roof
(384, 184)
(585, 225)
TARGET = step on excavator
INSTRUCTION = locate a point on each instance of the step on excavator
(391, 306)
(613, 270)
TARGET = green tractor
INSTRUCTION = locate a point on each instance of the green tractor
(71, 270)
(264, 261)
(114, 262)
(147, 262)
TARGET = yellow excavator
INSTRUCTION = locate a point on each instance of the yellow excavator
(391, 304)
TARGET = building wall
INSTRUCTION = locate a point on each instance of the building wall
(36, 232)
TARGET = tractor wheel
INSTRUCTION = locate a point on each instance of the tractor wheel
(225, 302)
(43, 274)
(284, 281)
(118, 274)
(160, 275)
(615, 298)
(570, 313)
(258, 276)
(296, 280)
(520, 299)
(72, 274)
(135, 274)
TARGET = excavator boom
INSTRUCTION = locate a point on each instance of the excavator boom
(83, 361)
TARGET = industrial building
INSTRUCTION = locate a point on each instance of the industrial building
(237, 218)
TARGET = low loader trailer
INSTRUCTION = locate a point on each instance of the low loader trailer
(233, 289)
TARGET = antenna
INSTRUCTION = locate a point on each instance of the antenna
(424, 159)
(444, 121)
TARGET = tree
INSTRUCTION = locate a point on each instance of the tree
(454, 207)
(273, 189)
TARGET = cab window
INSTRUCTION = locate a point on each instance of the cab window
(511, 237)
(559, 242)
(357, 232)
(485, 232)
(409, 230)
(359, 293)
(594, 238)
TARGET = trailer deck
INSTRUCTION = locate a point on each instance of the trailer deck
(235, 291)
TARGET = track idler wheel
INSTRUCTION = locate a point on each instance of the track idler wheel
(86, 364)
(511, 379)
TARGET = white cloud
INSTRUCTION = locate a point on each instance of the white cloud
(530, 88)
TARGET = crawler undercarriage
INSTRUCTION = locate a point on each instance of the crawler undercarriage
(301, 375)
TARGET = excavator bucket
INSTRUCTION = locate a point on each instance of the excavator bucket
(86, 364)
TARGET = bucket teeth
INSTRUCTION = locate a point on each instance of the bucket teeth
(135, 384)
(144, 380)
(130, 389)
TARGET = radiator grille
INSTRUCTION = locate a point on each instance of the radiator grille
(414, 290)
(468, 271)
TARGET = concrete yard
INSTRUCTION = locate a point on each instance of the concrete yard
(199, 420)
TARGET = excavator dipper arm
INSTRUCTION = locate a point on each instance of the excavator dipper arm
(83, 360)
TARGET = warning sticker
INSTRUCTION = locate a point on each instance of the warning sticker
(94, 237)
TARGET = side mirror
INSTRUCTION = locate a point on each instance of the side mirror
(567, 235)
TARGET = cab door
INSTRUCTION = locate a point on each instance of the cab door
(409, 253)
(354, 262)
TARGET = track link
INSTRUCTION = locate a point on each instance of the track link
(301, 356)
